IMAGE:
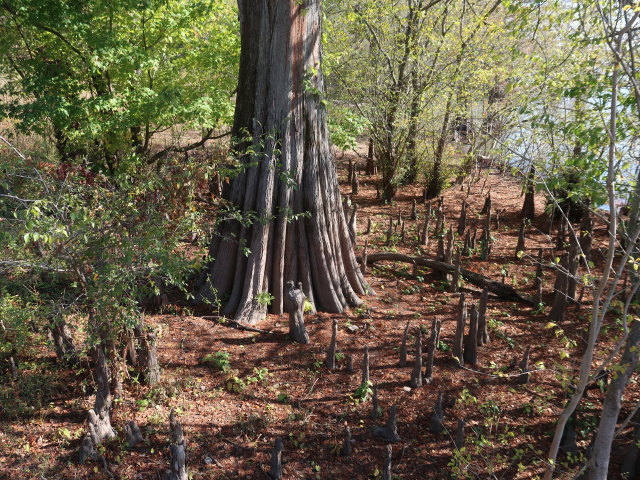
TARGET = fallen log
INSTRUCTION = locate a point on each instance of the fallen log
(499, 289)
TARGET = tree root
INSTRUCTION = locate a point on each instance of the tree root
(499, 289)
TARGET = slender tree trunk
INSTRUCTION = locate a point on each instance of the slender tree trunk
(288, 182)
(412, 142)
(436, 181)
(599, 464)
(600, 301)
(529, 205)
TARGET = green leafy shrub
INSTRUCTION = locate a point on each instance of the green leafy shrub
(219, 360)
(107, 78)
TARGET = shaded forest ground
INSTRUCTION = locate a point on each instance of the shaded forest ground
(274, 387)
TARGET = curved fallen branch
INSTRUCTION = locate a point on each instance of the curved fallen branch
(499, 289)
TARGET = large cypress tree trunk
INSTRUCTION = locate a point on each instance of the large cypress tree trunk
(287, 180)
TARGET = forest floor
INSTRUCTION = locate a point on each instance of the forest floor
(278, 388)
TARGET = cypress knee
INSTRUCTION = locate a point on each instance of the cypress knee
(365, 367)
(389, 231)
(483, 327)
(523, 378)
(403, 346)
(177, 450)
(386, 472)
(466, 248)
(416, 373)
(295, 305)
(365, 257)
(133, 434)
(462, 221)
(275, 470)
(431, 349)
(388, 432)
(330, 361)
(355, 183)
(347, 443)
(471, 340)
(353, 225)
(455, 279)
(521, 239)
(459, 440)
(437, 417)
(425, 228)
(375, 403)
(458, 338)
(529, 205)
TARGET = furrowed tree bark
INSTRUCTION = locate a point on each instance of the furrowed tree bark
(286, 182)
(99, 417)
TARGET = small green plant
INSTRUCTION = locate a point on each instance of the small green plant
(502, 336)
(308, 306)
(282, 397)
(363, 392)
(540, 308)
(235, 384)
(219, 360)
(466, 398)
(259, 375)
(410, 290)
(264, 298)
(490, 409)
(297, 440)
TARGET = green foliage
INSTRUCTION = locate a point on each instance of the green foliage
(15, 317)
(345, 126)
(363, 392)
(31, 392)
(219, 360)
(102, 78)
(264, 298)
(82, 245)
(238, 384)
(421, 72)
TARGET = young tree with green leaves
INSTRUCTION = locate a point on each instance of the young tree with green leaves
(103, 80)
(421, 70)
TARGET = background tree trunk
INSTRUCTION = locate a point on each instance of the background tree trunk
(286, 170)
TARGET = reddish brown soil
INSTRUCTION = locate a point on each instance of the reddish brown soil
(230, 434)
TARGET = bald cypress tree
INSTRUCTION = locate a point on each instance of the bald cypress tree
(286, 181)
